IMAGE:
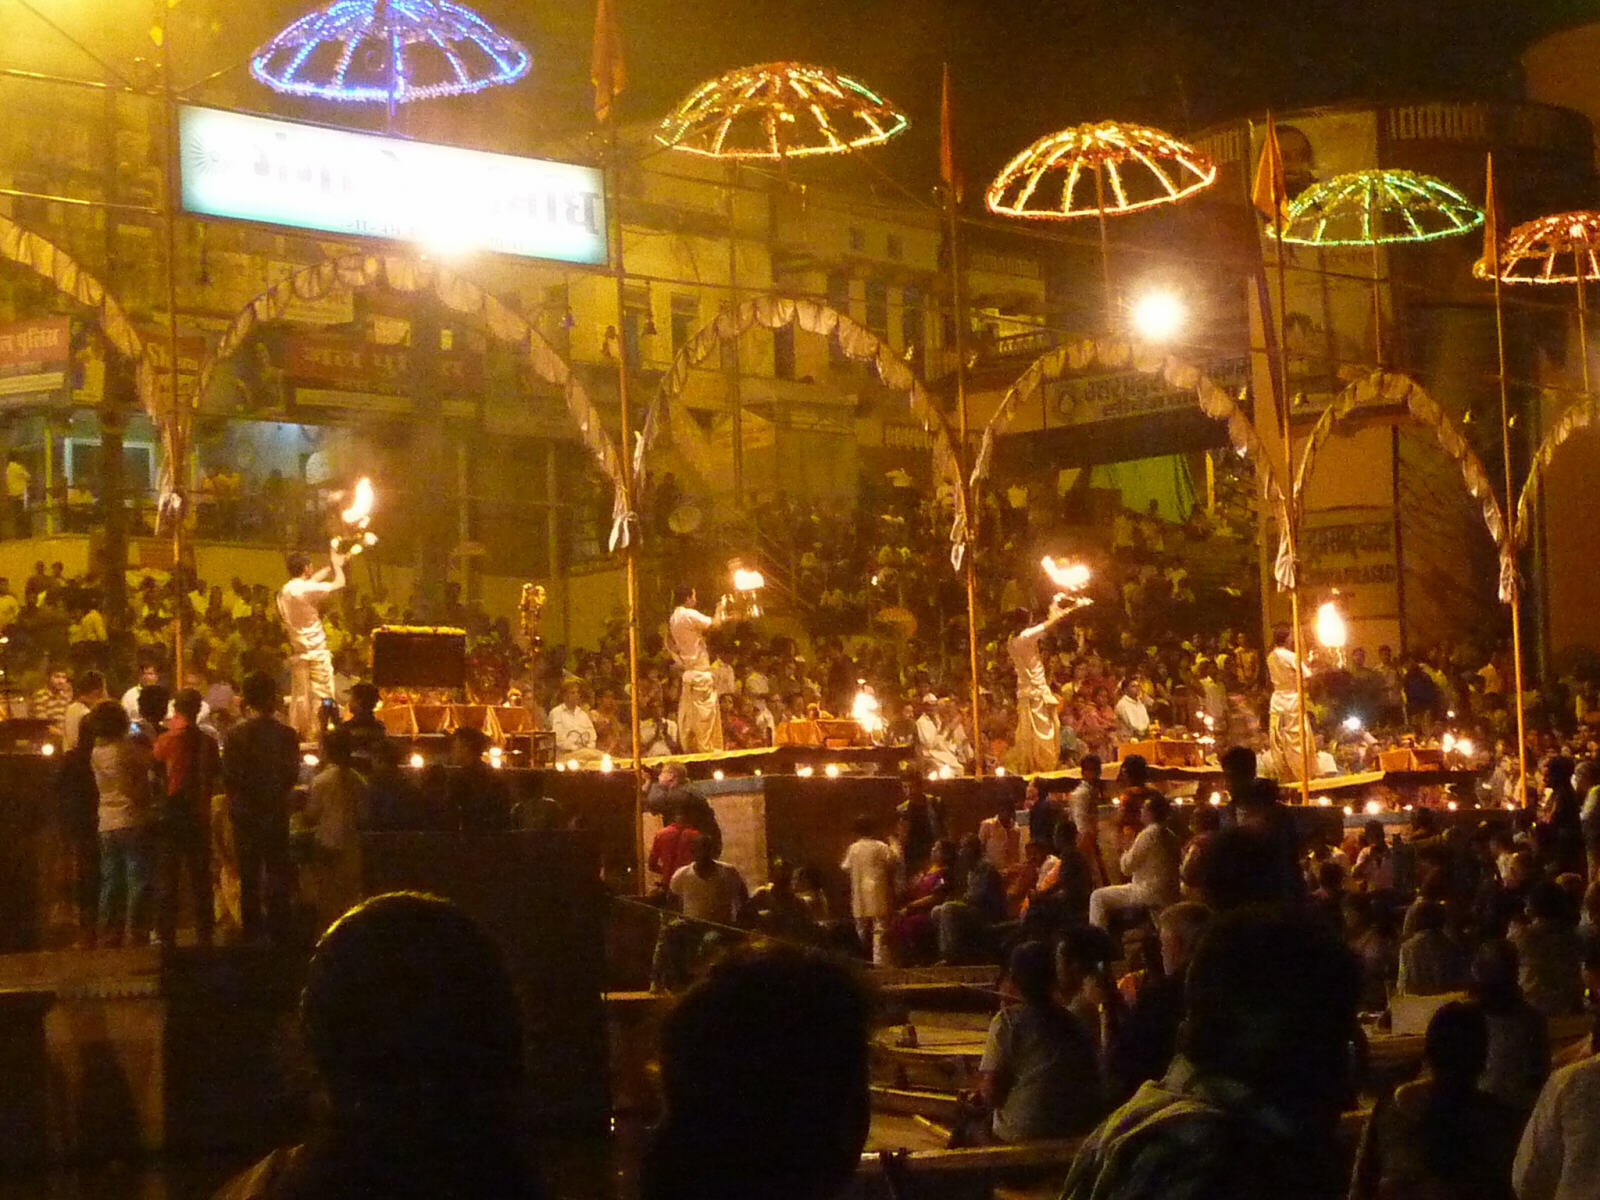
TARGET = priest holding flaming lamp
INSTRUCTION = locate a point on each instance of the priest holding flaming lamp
(1038, 741)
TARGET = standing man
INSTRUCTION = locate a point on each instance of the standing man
(18, 477)
(1038, 742)
(189, 761)
(50, 703)
(260, 766)
(699, 717)
(300, 604)
(1285, 716)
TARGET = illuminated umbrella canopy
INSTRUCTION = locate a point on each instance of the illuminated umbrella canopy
(1102, 169)
(779, 111)
(1378, 207)
(389, 52)
(1559, 248)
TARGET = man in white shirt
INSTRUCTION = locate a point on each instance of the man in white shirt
(870, 864)
(1559, 1157)
(1151, 864)
(699, 714)
(709, 889)
(1133, 719)
(18, 477)
(300, 602)
(90, 690)
(149, 676)
(571, 723)
(933, 748)
(1000, 838)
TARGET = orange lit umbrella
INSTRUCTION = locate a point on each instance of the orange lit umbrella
(1101, 169)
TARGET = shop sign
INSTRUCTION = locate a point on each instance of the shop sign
(444, 199)
(34, 358)
(358, 366)
(1134, 393)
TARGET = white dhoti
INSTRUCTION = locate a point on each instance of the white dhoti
(1285, 722)
(699, 718)
(310, 683)
(1038, 744)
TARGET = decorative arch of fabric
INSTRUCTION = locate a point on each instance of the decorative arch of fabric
(856, 341)
(1388, 389)
(412, 276)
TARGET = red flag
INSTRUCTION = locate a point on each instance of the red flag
(947, 144)
(1491, 221)
(607, 71)
(1270, 194)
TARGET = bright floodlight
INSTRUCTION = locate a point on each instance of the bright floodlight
(1331, 630)
(1159, 316)
(1353, 724)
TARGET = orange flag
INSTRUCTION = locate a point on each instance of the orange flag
(607, 71)
(1270, 194)
(947, 142)
(1491, 221)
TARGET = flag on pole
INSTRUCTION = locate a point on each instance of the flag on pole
(1270, 193)
(947, 142)
(1491, 220)
(607, 71)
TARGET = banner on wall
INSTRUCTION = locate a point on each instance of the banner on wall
(1353, 550)
(35, 357)
(443, 199)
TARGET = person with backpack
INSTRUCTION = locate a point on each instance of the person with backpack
(188, 767)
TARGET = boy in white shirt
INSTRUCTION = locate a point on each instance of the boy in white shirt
(870, 863)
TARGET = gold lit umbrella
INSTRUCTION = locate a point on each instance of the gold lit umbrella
(1101, 169)
(778, 111)
(1560, 248)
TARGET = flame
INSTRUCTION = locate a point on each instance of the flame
(865, 712)
(1070, 577)
(1331, 631)
(748, 581)
(361, 507)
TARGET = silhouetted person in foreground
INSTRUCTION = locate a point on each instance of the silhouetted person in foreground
(1249, 1108)
(411, 1022)
(764, 1077)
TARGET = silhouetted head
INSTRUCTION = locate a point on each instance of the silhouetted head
(1457, 1045)
(1135, 771)
(408, 1010)
(1032, 971)
(154, 699)
(260, 693)
(1271, 1003)
(764, 1078)
(299, 564)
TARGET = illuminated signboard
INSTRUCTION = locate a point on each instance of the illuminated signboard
(443, 199)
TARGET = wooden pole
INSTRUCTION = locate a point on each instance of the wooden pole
(968, 496)
(1288, 516)
(178, 419)
(630, 552)
(1105, 250)
(1511, 508)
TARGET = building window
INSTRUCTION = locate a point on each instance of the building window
(839, 301)
(635, 322)
(783, 352)
(897, 247)
(556, 312)
(877, 311)
(913, 328)
(685, 320)
(858, 241)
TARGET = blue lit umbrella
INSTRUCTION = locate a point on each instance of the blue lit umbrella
(389, 52)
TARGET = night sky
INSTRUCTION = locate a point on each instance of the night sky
(1022, 67)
